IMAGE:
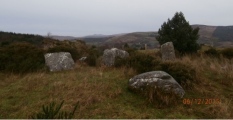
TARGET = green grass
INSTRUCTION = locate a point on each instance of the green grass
(103, 93)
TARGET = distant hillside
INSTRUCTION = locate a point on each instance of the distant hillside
(45, 43)
(205, 32)
(57, 37)
(137, 40)
(9, 37)
(224, 33)
(97, 36)
(95, 40)
(98, 39)
(219, 36)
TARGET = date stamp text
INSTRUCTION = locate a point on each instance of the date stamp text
(201, 101)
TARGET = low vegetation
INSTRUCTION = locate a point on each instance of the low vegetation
(7, 38)
(145, 62)
(138, 61)
(62, 48)
(183, 73)
(103, 93)
(24, 57)
(53, 111)
(28, 90)
(212, 52)
(228, 53)
(21, 58)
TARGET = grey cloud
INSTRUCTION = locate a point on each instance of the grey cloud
(84, 17)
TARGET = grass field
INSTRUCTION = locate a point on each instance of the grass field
(102, 92)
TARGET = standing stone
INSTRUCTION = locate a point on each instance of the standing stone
(59, 61)
(110, 55)
(158, 80)
(145, 46)
(167, 51)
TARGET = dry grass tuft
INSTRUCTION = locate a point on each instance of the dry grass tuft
(88, 87)
(162, 99)
(222, 110)
(220, 69)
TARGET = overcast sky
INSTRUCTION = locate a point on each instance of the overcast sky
(87, 17)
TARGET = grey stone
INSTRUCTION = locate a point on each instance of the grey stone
(59, 61)
(167, 51)
(110, 55)
(156, 80)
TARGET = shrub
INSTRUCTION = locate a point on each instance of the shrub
(158, 53)
(52, 111)
(93, 55)
(21, 58)
(91, 60)
(182, 73)
(62, 48)
(130, 50)
(160, 98)
(121, 62)
(227, 52)
(138, 61)
(212, 52)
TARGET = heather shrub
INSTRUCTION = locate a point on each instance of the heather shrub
(130, 50)
(212, 52)
(21, 58)
(138, 61)
(121, 62)
(227, 52)
(158, 53)
(93, 55)
(184, 74)
(63, 48)
(91, 60)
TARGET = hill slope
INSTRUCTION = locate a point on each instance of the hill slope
(219, 36)
(9, 37)
(137, 39)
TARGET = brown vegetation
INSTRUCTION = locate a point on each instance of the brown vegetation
(102, 92)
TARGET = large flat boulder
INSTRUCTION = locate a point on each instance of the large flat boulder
(157, 80)
(167, 51)
(59, 61)
(110, 55)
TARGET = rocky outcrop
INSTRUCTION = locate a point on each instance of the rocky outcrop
(157, 80)
(59, 61)
(110, 55)
(167, 51)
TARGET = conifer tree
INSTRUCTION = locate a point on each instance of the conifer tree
(178, 31)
